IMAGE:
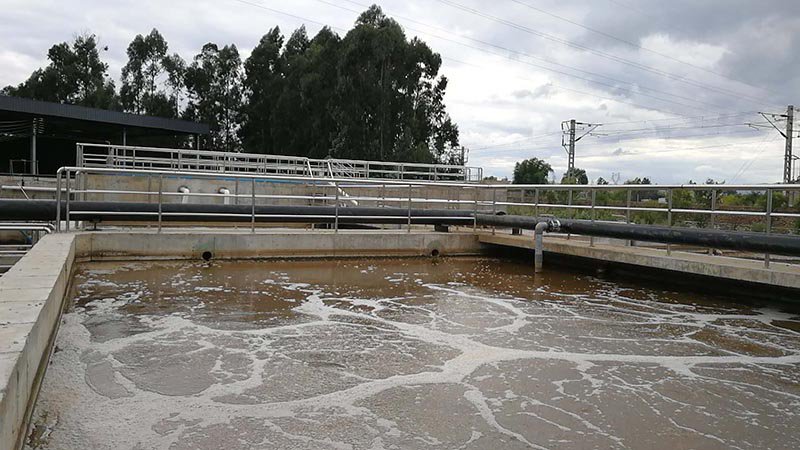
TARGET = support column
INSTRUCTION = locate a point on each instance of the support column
(33, 160)
(124, 136)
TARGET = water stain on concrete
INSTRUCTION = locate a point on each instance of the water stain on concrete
(410, 353)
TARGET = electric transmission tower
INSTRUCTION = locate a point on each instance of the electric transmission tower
(569, 136)
(788, 134)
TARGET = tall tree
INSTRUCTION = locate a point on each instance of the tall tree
(291, 111)
(575, 176)
(214, 87)
(148, 71)
(262, 81)
(75, 75)
(319, 92)
(389, 102)
(532, 171)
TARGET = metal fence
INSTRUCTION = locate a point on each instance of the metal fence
(129, 157)
(767, 209)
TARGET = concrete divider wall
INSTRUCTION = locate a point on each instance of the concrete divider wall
(170, 184)
(274, 244)
(31, 297)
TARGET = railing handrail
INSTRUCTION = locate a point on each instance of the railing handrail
(405, 198)
(573, 187)
(461, 171)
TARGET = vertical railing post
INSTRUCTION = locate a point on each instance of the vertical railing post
(494, 206)
(336, 207)
(253, 205)
(669, 216)
(713, 208)
(475, 211)
(409, 209)
(536, 202)
(66, 194)
(569, 210)
(160, 190)
(628, 213)
(594, 197)
(713, 214)
(769, 223)
(58, 200)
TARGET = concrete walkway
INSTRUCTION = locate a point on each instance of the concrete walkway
(778, 274)
(31, 297)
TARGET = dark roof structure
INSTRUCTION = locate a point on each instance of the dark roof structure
(38, 137)
(72, 116)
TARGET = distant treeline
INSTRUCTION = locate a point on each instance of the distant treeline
(372, 94)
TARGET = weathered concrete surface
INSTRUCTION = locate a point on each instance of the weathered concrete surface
(31, 297)
(278, 190)
(736, 269)
(176, 244)
(32, 187)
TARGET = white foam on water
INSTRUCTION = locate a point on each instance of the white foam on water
(326, 317)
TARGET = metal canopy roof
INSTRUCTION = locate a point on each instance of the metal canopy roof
(14, 107)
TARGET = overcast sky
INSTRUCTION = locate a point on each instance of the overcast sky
(673, 82)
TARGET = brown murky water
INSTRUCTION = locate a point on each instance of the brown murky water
(411, 353)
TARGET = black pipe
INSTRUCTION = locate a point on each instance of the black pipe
(754, 242)
(178, 212)
(116, 211)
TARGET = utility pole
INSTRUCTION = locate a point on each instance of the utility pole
(571, 149)
(788, 158)
(569, 131)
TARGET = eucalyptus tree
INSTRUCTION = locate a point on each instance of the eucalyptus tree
(214, 90)
(75, 75)
(389, 96)
(149, 72)
(262, 84)
(532, 171)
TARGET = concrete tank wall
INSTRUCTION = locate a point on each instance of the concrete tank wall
(313, 192)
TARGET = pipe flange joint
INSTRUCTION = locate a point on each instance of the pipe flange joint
(553, 225)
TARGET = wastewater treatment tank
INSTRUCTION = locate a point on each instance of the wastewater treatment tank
(445, 353)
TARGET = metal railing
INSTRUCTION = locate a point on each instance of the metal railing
(23, 167)
(404, 204)
(33, 231)
(130, 157)
(650, 204)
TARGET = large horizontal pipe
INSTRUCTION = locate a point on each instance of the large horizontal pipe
(176, 212)
(129, 211)
(754, 242)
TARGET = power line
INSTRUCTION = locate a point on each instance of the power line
(556, 146)
(537, 58)
(630, 134)
(511, 51)
(563, 88)
(514, 142)
(257, 5)
(721, 116)
(756, 155)
(635, 45)
(701, 120)
(599, 53)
